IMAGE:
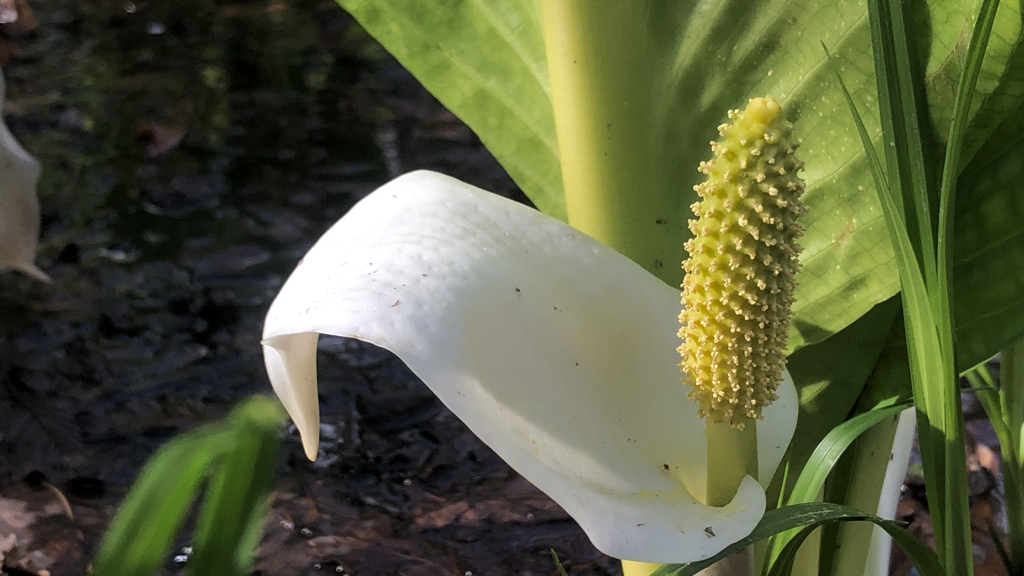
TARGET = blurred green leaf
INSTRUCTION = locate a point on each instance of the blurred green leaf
(239, 458)
(141, 535)
(234, 509)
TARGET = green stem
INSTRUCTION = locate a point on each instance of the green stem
(1001, 402)
(732, 455)
(615, 188)
(858, 482)
(622, 185)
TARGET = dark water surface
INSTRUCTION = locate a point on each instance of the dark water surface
(192, 152)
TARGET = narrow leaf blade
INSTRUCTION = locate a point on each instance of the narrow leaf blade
(809, 516)
(234, 508)
(141, 534)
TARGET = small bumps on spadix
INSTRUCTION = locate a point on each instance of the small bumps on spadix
(738, 289)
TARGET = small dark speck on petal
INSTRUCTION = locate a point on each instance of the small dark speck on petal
(640, 524)
(424, 275)
(709, 531)
(518, 291)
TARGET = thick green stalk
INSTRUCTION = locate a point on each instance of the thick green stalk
(1012, 479)
(617, 179)
(615, 188)
(723, 481)
(725, 474)
(621, 183)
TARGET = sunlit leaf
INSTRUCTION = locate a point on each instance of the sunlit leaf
(486, 62)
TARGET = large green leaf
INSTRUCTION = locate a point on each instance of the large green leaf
(1000, 84)
(988, 255)
(485, 61)
(988, 279)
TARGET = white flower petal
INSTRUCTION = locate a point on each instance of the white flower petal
(555, 350)
(19, 209)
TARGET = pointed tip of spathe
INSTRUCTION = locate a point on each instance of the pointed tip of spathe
(311, 444)
(35, 272)
(290, 360)
(29, 269)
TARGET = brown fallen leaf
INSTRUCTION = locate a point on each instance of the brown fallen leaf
(157, 138)
(16, 17)
(36, 535)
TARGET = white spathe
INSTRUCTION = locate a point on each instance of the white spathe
(554, 349)
(19, 209)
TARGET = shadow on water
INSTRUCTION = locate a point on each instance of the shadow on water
(192, 152)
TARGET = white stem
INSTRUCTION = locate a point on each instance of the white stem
(881, 544)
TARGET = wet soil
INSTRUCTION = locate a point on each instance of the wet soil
(192, 152)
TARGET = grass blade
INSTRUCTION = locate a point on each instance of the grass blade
(957, 128)
(925, 298)
(987, 391)
(1011, 402)
(820, 464)
(923, 559)
(899, 101)
(810, 516)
